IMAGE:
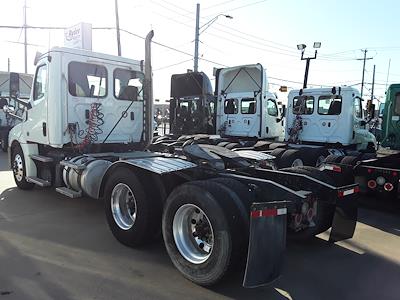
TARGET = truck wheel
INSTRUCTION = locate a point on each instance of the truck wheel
(349, 160)
(197, 234)
(313, 157)
(222, 144)
(133, 217)
(19, 169)
(277, 145)
(324, 215)
(262, 145)
(332, 158)
(291, 158)
(231, 146)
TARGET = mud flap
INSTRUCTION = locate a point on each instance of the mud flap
(267, 242)
(345, 219)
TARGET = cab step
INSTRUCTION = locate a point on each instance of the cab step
(41, 158)
(72, 165)
(38, 181)
(69, 192)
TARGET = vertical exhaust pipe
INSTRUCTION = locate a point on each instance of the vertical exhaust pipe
(148, 93)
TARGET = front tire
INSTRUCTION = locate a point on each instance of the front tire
(19, 168)
(133, 217)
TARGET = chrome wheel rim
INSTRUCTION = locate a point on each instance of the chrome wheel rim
(18, 167)
(297, 163)
(123, 206)
(193, 233)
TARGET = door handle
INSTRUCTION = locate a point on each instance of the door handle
(44, 129)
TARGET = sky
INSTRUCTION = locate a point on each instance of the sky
(261, 31)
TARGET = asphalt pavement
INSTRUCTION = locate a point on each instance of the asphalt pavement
(54, 247)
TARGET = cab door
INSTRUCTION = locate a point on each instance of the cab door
(36, 125)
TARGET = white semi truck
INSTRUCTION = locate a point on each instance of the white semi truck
(322, 122)
(85, 131)
(318, 122)
(13, 86)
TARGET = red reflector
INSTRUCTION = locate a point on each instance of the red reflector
(394, 173)
(370, 170)
(340, 194)
(357, 189)
(337, 169)
(270, 212)
(388, 187)
(371, 184)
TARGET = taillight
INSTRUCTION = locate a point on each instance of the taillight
(371, 184)
(388, 187)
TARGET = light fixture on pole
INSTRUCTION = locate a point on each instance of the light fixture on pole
(302, 48)
(197, 34)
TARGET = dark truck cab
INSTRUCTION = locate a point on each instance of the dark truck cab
(192, 104)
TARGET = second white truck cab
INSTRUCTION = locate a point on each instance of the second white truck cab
(245, 106)
(328, 116)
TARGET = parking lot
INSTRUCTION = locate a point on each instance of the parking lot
(53, 247)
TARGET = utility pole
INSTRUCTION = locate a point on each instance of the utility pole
(117, 25)
(387, 76)
(196, 39)
(8, 61)
(363, 72)
(373, 84)
(25, 41)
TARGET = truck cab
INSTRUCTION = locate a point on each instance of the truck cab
(391, 118)
(78, 87)
(328, 116)
(192, 104)
(245, 107)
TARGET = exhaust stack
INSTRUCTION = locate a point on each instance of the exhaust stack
(148, 93)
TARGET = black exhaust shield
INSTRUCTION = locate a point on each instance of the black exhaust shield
(267, 242)
(345, 219)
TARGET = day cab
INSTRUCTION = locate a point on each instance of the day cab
(245, 106)
(328, 116)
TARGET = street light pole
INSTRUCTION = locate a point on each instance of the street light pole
(302, 47)
(196, 39)
(117, 25)
(197, 34)
(25, 41)
(307, 59)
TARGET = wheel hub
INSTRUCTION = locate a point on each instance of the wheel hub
(123, 206)
(18, 167)
(193, 233)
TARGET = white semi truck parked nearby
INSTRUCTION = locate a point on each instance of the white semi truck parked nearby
(85, 131)
(322, 122)
(13, 86)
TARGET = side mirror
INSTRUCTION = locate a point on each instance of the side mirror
(37, 57)
(372, 111)
(14, 85)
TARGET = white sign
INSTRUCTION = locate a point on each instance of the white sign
(79, 36)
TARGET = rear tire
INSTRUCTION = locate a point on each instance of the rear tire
(192, 214)
(332, 158)
(349, 160)
(232, 146)
(133, 216)
(19, 168)
(291, 158)
(277, 145)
